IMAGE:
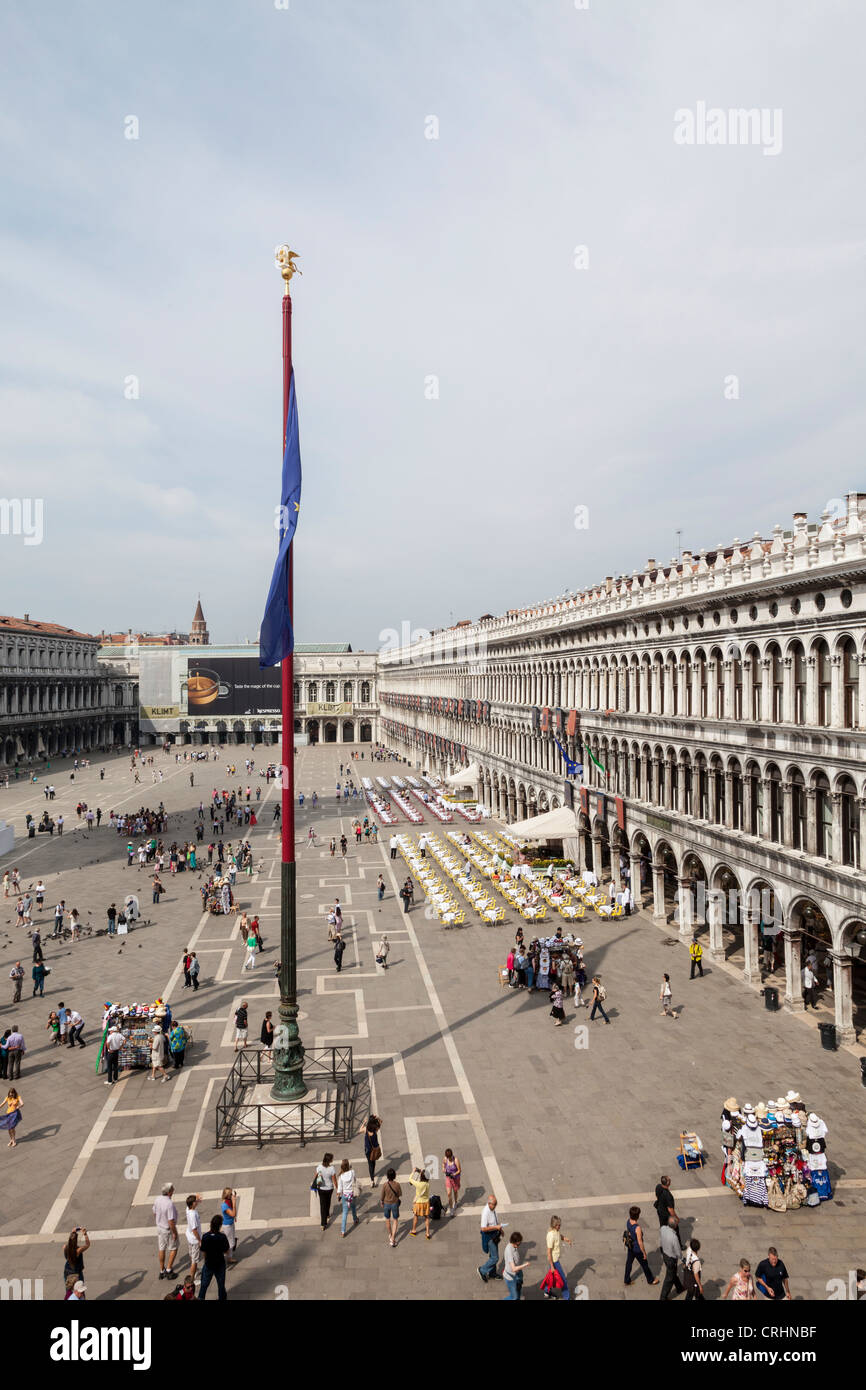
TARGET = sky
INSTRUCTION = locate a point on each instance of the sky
(536, 336)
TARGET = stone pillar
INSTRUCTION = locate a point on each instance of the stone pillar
(581, 848)
(682, 698)
(659, 909)
(834, 851)
(837, 692)
(685, 902)
(635, 884)
(715, 918)
(793, 971)
(844, 997)
(614, 868)
(729, 800)
(811, 822)
(668, 698)
(728, 706)
(787, 690)
(681, 788)
(596, 857)
(787, 815)
(752, 967)
(811, 710)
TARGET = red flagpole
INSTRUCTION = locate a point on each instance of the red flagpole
(287, 814)
(289, 1084)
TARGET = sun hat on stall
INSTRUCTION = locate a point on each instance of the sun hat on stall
(761, 1111)
(732, 1103)
(792, 1096)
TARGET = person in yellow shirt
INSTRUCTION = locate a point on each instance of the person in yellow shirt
(696, 951)
(421, 1205)
(12, 1117)
(554, 1255)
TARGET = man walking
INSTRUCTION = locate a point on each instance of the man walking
(15, 1050)
(38, 973)
(664, 1203)
(36, 943)
(113, 1044)
(165, 1212)
(214, 1247)
(696, 951)
(339, 948)
(59, 913)
(111, 914)
(670, 1247)
(491, 1234)
(194, 968)
(810, 986)
(76, 1026)
(16, 975)
(393, 846)
(771, 1277)
(187, 962)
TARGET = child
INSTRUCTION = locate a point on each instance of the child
(53, 1026)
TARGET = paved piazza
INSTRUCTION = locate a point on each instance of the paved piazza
(446, 1055)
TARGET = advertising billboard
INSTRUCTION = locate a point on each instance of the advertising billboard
(230, 687)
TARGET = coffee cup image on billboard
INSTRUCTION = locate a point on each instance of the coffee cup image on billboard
(204, 686)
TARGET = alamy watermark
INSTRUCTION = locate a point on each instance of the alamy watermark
(23, 516)
(735, 126)
(418, 646)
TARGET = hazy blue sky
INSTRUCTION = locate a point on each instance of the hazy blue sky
(559, 387)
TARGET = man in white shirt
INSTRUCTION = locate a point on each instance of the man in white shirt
(165, 1212)
(113, 1044)
(810, 983)
(393, 846)
(76, 1024)
(491, 1234)
(422, 845)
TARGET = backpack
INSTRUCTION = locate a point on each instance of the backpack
(602, 994)
(435, 1207)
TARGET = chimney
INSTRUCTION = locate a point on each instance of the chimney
(27, 617)
(650, 564)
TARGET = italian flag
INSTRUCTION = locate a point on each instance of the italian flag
(595, 760)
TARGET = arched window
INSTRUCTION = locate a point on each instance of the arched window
(798, 810)
(347, 692)
(297, 692)
(313, 692)
(330, 691)
(851, 683)
(776, 682)
(774, 810)
(365, 692)
(736, 795)
(823, 819)
(799, 664)
(850, 852)
(822, 663)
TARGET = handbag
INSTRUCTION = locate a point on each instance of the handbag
(375, 1152)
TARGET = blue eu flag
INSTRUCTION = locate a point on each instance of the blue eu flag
(276, 639)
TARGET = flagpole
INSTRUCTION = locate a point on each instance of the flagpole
(289, 1081)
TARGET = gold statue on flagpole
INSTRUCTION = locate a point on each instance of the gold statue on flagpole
(284, 260)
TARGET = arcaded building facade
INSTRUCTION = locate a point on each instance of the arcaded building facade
(723, 698)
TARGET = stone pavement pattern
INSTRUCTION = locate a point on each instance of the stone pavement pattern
(446, 1057)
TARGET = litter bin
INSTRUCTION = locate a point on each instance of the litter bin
(771, 997)
(828, 1036)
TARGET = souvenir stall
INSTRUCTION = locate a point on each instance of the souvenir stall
(775, 1153)
(136, 1023)
(220, 898)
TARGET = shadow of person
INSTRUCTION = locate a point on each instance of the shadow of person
(45, 1132)
(127, 1284)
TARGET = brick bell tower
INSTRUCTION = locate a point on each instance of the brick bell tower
(199, 635)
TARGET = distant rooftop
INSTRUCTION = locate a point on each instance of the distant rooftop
(321, 648)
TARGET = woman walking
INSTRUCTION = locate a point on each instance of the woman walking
(382, 950)
(390, 1198)
(325, 1184)
(157, 1054)
(73, 1256)
(12, 1118)
(557, 1011)
(421, 1205)
(372, 1145)
(452, 1170)
(632, 1238)
(267, 1035)
(665, 997)
(229, 1212)
(380, 887)
(742, 1283)
(346, 1193)
(599, 994)
(554, 1255)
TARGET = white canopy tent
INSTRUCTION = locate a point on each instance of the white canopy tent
(552, 825)
(464, 776)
